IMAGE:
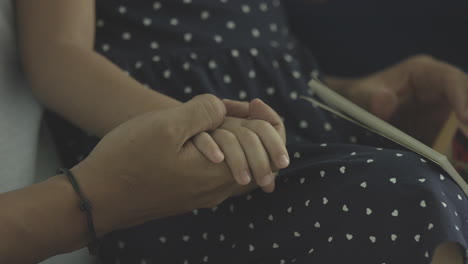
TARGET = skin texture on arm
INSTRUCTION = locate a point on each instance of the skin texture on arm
(37, 225)
(56, 39)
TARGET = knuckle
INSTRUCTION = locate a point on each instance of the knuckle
(259, 125)
(237, 162)
(249, 136)
(282, 133)
(276, 151)
(222, 134)
(421, 59)
(217, 133)
(453, 78)
(200, 137)
(264, 168)
(261, 168)
(166, 128)
(212, 106)
(207, 139)
(169, 132)
(230, 138)
(281, 126)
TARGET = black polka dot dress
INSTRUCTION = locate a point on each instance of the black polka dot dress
(349, 196)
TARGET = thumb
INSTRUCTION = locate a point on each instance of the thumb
(202, 113)
(236, 108)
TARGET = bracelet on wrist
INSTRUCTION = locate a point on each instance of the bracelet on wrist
(86, 207)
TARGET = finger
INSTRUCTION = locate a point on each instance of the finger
(448, 80)
(383, 103)
(374, 95)
(260, 110)
(269, 188)
(207, 145)
(256, 154)
(236, 108)
(458, 93)
(236, 189)
(271, 141)
(456, 83)
(235, 156)
(202, 113)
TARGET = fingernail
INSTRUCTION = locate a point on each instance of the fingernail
(283, 161)
(245, 178)
(219, 156)
(265, 180)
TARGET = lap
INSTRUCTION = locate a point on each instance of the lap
(366, 203)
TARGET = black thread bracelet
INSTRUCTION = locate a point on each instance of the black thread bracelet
(85, 206)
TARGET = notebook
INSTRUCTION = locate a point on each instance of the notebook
(342, 107)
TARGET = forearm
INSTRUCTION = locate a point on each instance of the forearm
(41, 221)
(56, 39)
(89, 90)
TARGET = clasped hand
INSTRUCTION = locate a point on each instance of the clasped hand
(150, 167)
(251, 140)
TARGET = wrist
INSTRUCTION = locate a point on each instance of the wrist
(42, 220)
(75, 220)
(100, 193)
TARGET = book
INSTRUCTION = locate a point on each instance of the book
(342, 107)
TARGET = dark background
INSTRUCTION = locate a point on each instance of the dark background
(357, 37)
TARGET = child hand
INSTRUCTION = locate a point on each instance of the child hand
(253, 144)
(256, 109)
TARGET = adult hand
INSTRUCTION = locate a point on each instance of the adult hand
(415, 95)
(149, 168)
